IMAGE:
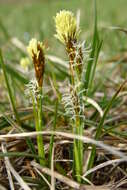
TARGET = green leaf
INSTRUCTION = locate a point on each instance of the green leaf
(100, 126)
(94, 46)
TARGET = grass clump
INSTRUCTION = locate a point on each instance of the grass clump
(67, 116)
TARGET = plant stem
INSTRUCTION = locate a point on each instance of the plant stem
(76, 161)
(39, 127)
(75, 73)
(38, 124)
(52, 136)
(78, 149)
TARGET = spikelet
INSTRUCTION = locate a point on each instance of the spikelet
(36, 52)
(66, 26)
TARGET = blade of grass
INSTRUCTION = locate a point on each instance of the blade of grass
(99, 127)
(12, 101)
(14, 73)
(99, 45)
(28, 140)
(19, 154)
(8, 88)
(94, 45)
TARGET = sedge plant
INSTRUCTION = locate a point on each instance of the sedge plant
(67, 32)
(36, 51)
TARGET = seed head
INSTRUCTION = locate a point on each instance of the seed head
(66, 26)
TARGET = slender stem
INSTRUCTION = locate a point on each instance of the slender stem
(52, 137)
(40, 143)
(75, 73)
(81, 148)
(72, 73)
(77, 143)
(77, 161)
(78, 152)
(79, 131)
(79, 122)
(38, 124)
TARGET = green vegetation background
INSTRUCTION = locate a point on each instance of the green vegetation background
(26, 19)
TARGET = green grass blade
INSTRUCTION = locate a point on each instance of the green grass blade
(99, 127)
(28, 140)
(99, 45)
(94, 45)
(15, 74)
(12, 101)
(19, 154)
(8, 88)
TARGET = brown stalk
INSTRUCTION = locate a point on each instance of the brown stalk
(71, 53)
(71, 50)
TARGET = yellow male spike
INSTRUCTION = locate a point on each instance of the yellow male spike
(66, 26)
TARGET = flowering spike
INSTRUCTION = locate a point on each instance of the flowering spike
(36, 52)
(32, 48)
(66, 26)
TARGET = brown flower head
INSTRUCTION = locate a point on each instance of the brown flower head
(36, 51)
